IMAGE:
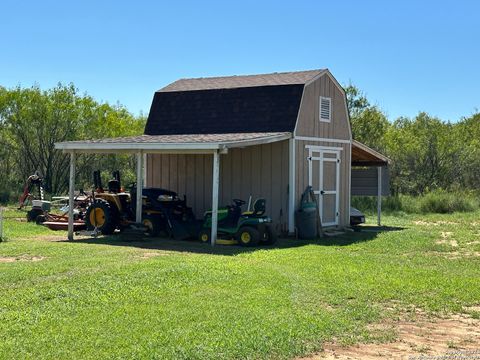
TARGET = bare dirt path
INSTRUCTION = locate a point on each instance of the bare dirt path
(455, 337)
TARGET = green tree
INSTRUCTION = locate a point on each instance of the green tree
(369, 124)
(33, 120)
(418, 148)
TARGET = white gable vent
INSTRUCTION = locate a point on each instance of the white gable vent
(325, 109)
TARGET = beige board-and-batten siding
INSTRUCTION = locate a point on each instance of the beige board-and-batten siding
(301, 180)
(309, 125)
(260, 171)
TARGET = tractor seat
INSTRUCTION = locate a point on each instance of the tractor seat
(114, 186)
(258, 208)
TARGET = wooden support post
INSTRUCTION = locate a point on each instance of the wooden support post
(291, 186)
(379, 195)
(71, 195)
(144, 170)
(215, 186)
(139, 202)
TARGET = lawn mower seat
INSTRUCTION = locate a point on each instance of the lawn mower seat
(258, 208)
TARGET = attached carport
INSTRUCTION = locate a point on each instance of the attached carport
(370, 175)
(214, 144)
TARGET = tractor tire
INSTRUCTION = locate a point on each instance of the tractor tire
(33, 214)
(270, 237)
(101, 215)
(40, 219)
(205, 236)
(248, 236)
(153, 225)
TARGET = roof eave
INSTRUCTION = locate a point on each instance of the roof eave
(382, 158)
(197, 147)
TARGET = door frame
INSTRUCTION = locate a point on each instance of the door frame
(321, 150)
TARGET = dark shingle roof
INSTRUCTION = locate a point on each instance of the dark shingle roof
(183, 139)
(229, 82)
(233, 104)
(175, 142)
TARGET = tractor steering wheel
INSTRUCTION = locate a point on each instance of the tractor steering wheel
(238, 202)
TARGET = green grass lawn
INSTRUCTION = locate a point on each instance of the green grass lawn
(103, 298)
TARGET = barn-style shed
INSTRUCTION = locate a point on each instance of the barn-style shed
(270, 135)
(309, 107)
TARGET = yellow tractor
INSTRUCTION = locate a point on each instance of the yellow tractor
(162, 210)
(108, 210)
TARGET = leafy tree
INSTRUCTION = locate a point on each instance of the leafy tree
(357, 102)
(33, 120)
(369, 124)
(417, 147)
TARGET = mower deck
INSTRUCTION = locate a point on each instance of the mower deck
(62, 225)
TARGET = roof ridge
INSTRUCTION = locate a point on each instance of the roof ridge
(242, 81)
(246, 75)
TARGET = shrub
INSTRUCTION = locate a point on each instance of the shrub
(438, 201)
(6, 197)
(444, 202)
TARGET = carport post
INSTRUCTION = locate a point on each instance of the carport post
(71, 191)
(379, 194)
(215, 186)
(138, 214)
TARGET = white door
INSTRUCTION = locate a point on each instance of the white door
(324, 177)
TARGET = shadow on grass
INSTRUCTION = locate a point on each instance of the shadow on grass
(366, 233)
(360, 234)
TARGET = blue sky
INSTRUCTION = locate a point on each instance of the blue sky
(407, 56)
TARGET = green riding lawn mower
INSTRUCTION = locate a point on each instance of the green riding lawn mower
(250, 228)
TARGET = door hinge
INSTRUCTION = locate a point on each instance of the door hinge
(309, 158)
(338, 161)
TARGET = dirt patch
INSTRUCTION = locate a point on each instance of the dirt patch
(446, 235)
(50, 237)
(476, 242)
(473, 308)
(452, 337)
(452, 243)
(148, 255)
(454, 254)
(10, 259)
(434, 223)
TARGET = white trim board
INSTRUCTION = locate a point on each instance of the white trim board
(317, 139)
(292, 186)
(323, 148)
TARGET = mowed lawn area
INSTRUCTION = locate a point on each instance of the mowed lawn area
(104, 298)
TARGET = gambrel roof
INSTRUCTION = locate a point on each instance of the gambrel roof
(231, 104)
(242, 81)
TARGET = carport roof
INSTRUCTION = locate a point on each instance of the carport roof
(362, 155)
(184, 142)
